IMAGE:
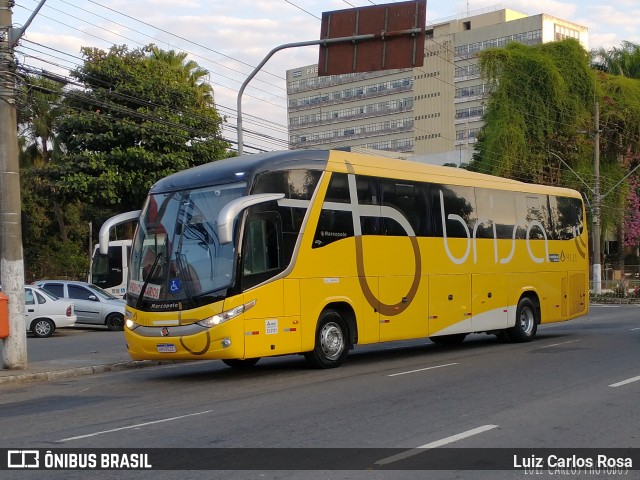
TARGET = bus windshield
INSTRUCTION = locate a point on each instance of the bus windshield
(106, 270)
(177, 255)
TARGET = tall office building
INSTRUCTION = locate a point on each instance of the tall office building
(432, 113)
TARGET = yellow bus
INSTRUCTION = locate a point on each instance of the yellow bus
(315, 252)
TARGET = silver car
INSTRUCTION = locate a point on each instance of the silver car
(93, 305)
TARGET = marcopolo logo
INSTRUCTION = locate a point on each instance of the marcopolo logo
(23, 459)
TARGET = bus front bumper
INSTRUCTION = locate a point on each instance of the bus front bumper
(188, 342)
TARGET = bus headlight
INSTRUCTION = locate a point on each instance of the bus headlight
(131, 325)
(224, 316)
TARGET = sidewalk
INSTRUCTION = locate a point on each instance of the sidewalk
(71, 367)
(71, 352)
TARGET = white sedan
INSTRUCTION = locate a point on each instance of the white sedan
(45, 312)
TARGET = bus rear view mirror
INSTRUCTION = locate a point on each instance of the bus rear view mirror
(230, 211)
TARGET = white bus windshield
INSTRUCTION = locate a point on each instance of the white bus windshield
(176, 253)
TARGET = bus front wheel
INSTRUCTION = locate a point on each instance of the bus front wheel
(331, 341)
(526, 322)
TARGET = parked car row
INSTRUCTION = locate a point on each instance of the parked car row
(93, 305)
(52, 304)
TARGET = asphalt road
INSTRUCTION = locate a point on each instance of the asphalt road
(577, 385)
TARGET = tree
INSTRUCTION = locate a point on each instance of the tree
(40, 109)
(540, 97)
(620, 69)
(137, 119)
(624, 60)
(189, 71)
(541, 110)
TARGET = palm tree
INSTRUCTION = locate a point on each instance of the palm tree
(40, 109)
(189, 70)
(624, 60)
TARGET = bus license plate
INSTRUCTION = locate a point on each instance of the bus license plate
(166, 348)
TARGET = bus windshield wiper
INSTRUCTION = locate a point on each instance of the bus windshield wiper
(152, 272)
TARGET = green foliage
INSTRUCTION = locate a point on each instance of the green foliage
(137, 120)
(540, 98)
(93, 149)
(539, 120)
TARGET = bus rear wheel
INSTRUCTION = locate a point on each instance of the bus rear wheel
(331, 347)
(526, 322)
(241, 363)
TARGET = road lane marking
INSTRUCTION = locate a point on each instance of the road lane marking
(635, 329)
(436, 444)
(421, 370)
(138, 425)
(561, 343)
(624, 382)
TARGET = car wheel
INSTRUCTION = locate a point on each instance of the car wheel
(331, 341)
(241, 363)
(115, 321)
(42, 327)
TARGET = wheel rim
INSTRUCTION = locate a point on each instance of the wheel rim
(332, 341)
(527, 321)
(43, 328)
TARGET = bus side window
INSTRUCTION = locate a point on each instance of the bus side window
(458, 201)
(411, 200)
(334, 225)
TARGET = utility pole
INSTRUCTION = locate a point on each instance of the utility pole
(597, 267)
(14, 351)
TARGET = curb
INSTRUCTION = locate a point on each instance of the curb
(76, 372)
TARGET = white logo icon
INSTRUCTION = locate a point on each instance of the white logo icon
(23, 459)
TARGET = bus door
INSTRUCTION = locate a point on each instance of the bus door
(270, 327)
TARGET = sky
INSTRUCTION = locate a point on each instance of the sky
(230, 38)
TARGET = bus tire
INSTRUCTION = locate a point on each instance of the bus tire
(526, 322)
(42, 328)
(241, 363)
(453, 339)
(331, 347)
(115, 322)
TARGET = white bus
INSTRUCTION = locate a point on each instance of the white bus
(109, 271)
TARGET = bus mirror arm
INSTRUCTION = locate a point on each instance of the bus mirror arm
(105, 229)
(230, 211)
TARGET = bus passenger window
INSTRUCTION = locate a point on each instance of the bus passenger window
(333, 225)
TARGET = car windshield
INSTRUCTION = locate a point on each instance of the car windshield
(176, 252)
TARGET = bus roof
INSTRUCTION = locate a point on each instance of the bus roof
(364, 164)
(244, 168)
